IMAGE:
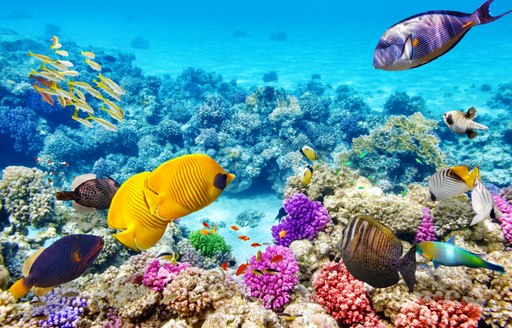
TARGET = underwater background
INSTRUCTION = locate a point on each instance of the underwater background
(249, 84)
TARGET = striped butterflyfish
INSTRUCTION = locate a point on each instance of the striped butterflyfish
(372, 253)
(148, 201)
(483, 203)
(63, 261)
(450, 182)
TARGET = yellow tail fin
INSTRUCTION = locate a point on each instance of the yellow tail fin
(19, 289)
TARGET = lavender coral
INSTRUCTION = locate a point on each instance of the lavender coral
(506, 220)
(61, 311)
(274, 288)
(304, 220)
(426, 230)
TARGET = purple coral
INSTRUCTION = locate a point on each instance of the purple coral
(506, 220)
(304, 220)
(61, 311)
(272, 277)
(158, 276)
(426, 230)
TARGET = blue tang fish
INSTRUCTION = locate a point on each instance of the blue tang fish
(419, 39)
(63, 261)
(448, 254)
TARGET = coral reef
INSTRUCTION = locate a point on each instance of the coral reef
(426, 230)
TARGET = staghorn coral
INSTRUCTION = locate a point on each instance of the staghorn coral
(344, 297)
(26, 198)
(438, 313)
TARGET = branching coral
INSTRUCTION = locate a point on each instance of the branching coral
(426, 230)
(344, 297)
(208, 244)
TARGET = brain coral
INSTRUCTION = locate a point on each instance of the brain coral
(25, 197)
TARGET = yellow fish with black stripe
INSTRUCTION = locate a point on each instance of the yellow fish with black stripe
(148, 201)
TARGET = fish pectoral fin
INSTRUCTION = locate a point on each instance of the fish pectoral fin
(436, 264)
(140, 238)
(477, 218)
(451, 240)
(471, 113)
(408, 48)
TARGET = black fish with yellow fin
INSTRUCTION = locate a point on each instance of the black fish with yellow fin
(63, 261)
(90, 193)
(373, 254)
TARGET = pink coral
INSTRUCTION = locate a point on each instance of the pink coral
(273, 287)
(438, 313)
(158, 276)
(188, 292)
(506, 220)
(344, 297)
(426, 230)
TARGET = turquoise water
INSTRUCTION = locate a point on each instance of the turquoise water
(333, 39)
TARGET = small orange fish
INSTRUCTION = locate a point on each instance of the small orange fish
(244, 238)
(276, 258)
(204, 231)
(282, 234)
(257, 272)
(258, 256)
(241, 269)
(234, 227)
(255, 245)
(214, 230)
(225, 266)
(206, 225)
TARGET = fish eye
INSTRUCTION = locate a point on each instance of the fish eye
(220, 181)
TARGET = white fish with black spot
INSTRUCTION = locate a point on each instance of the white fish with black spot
(483, 203)
(462, 123)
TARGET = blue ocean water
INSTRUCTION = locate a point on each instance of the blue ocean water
(334, 39)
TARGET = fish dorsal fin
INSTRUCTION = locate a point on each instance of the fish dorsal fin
(463, 173)
(28, 262)
(471, 113)
(472, 176)
(81, 179)
(451, 240)
(41, 291)
(408, 49)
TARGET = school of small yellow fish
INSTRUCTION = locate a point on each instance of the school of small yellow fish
(56, 78)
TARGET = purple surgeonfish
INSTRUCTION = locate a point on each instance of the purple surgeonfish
(63, 261)
(89, 193)
(419, 39)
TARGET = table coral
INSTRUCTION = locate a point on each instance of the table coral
(274, 288)
(438, 313)
(304, 219)
(25, 197)
(344, 297)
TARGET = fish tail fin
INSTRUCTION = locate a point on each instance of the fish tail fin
(19, 288)
(477, 218)
(65, 195)
(483, 13)
(407, 267)
(494, 267)
(479, 126)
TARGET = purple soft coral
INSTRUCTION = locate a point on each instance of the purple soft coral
(158, 276)
(304, 220)
(426, 230)
(272, 277)
(506, 220)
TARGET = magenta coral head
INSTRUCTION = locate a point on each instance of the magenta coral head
(304, 219)
(272, 279)
(158, 276)
(506, 220)
(426, 230)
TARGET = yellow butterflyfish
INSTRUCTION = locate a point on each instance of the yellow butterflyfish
(148, 201)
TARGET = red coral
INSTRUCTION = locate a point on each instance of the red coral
(438, 313)
(344, 297)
